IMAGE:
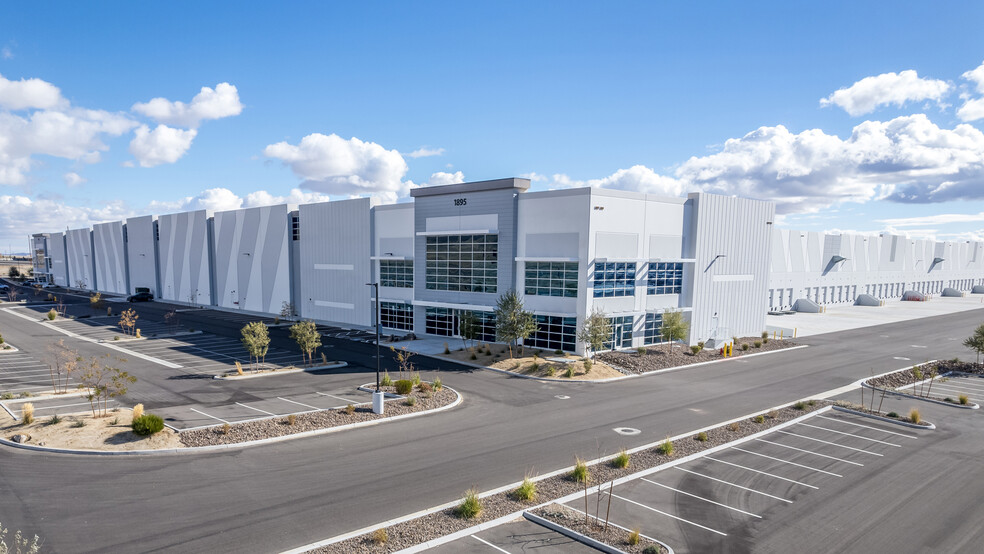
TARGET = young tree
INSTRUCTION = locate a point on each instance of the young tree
(595, 332)
(287, 311)
(128, 320)
(403, 362)
(171, 319)
(101, 382)
(62, 362)
(975, 342)
(256, 340)
(468, 327)
(306, 334)
(13, 272)
(674, 327)
(512, 322)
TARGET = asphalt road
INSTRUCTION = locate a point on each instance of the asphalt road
(280, 496)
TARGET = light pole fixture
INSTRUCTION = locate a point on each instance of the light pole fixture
(378, 396)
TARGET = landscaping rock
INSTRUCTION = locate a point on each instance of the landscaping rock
(664, 357)
(21, 438)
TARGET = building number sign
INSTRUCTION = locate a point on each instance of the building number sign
(460, 201)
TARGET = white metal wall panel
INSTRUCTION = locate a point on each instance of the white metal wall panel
(334, 261)
(109, 255)
(79, 247)
(183, 246)
(142, 253)
(59, 259)
(252, 269)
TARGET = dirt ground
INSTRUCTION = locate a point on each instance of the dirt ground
(533, 362)
(97, 434)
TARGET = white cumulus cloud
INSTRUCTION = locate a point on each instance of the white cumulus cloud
(73, 179)
(973, 108)
(638, 178)
(222, 101)
(332, 165)
(29, 93)
(425, 152)
(445, 178)
(869, 93)
(22, 215)
(162, 145)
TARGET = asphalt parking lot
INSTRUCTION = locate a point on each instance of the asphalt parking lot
(514, 537)
(712, 503)
(21, 372)
(954, 386)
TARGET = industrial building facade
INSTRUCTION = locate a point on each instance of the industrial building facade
(457, 248)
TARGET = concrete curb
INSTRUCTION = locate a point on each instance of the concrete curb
(219, 447)
(9, 350)
(930, 427)
(572, 534)
(921, 398)
(334, 365)
(487, 525)
(611, 379)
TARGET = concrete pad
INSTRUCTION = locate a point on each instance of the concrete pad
(842, 317)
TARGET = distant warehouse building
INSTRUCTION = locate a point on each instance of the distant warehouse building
(457, 248)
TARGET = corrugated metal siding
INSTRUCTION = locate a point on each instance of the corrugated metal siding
(252, 270)
(59, 258)
(109, 256)
(141, 256)
(334, 262)
(79, 248)
(183, 246)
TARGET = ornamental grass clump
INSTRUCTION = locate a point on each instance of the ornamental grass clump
(27, 413)
(760, 419)
(701, 437)
(570, 372)
(621, 460)
(526, 491)
(580, 473)
(380, 536)
(438, 384)
(138, 411)
(470, 507)
(666, 447)
(633, 538)
(914, 416)
(386, 380)
(963, 399)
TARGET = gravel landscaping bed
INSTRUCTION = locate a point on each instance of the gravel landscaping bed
(445, 522)
(280, 426)
(889, 415)
(562, 515)
(661, 357)
(894, 381)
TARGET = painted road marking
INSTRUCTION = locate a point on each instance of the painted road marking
(734, 485)
(301, 404)
(762, 472)
(257, 409)
(206, 415)
(869, 427)
(338, 397)
(786, 461)
(627, 431)
(810, 452)
(850, 434)
(831, 443)
(900, 358)
(702, 498)
(612, 523)
(487, 543)
(668, 515)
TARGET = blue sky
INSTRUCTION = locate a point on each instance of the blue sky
(654, 96)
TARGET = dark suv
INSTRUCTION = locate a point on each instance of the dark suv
(142, 296)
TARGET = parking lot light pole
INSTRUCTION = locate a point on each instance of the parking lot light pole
(377, 397)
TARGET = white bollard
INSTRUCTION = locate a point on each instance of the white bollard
(378, 401)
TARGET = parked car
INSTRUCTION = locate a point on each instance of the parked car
(48, 285)
(142, 296)
(4, 289)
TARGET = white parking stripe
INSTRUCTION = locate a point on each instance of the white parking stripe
(257, 409)
(483, 541)
(811, 452)
(63, 406)
(975, 394)
(831, 443)
(301, 404)
(762, 472)
(206, 415)
(338, 397)
(849, 422)
(669, 515)
(734, 485)
(786, 461)
(702, 498)
(972, 383)
(850, 434)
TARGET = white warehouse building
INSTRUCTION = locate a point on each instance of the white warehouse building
(457, 248)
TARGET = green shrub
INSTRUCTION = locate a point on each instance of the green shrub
(799, 406)
(765, 335)
(438, 384)
(470, 507)
(473, 356)
(551, 371)
(350, 409)
(580, 473)
(26, 394)
(744, 346)
(52, 314)
(651, 549)
(695, 350)
(758, 344)
(386, 380)
(380, 536)
(947, 399)
(147, 425)
(892, 414)
(665, 447)
(534, 366)
(570, 372)
(811, 402)
(78, 423)
(701, 437)
(526, 492)
(7, 396)
(621, 460)
(760, 419)
(963, 399)
(700, 343)
(415, 379)
(633, 538)
(587, 365)
(404, 386)
(641, 350)
(559, 352)
(424, 387)
(54, 420)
